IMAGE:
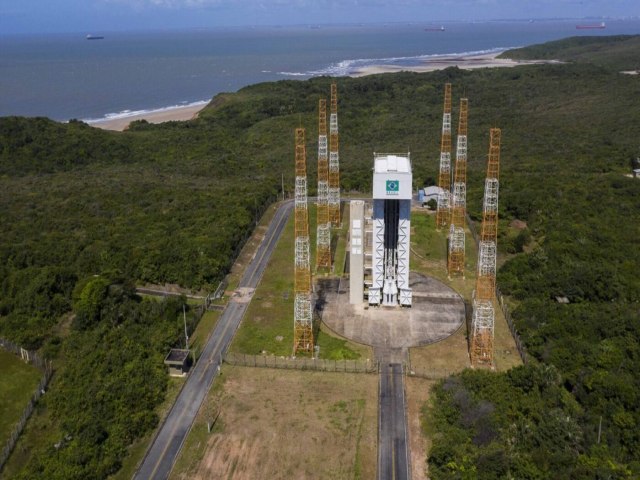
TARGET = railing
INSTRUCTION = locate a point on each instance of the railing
(512, 328)
(44, 365)
(287, 363)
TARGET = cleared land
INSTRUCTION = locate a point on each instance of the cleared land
(282, 425)
(267, 327)
(293, 424)
(18, 381)
(430, 257)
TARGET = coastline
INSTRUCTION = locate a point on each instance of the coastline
(465, 62)
(121, 121)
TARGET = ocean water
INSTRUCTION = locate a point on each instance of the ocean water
(65, 76)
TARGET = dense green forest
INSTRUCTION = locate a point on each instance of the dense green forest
(173, 202)
(574, 411)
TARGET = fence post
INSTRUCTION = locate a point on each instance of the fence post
(34, 359)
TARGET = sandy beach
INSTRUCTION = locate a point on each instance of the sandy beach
(120, 123)
(466, 62)
(489, 60)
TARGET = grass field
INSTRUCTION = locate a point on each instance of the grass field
(249, 249)
(267, 326)
(429, 248)
(18, 382)
(207, 323)
(282, 425)
(339, 242)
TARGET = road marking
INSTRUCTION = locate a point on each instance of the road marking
(404, 423)
(282, 215)
(153, 472)
(274, 235)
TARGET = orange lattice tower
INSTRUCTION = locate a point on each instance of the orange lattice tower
(334, 163)
(303, 314)
(456, 244)
(481, 345)
(323, 237)
(443, 212)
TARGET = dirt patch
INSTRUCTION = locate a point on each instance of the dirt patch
(418, 391)
(243, 295)
(285, 424)
(442, 358)
(518, 224)
(173, 288)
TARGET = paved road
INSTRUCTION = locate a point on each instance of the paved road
(393, 457)
(164, 450)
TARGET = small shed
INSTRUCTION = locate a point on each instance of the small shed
(178, 362)
(431, 192)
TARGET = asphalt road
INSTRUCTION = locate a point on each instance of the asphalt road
(162, 453)
(393, 456)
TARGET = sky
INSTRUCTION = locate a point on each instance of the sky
(97, 16)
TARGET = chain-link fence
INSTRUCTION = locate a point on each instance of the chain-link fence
(503, 306)
(34, 359)
(512, 328)
(300, 363)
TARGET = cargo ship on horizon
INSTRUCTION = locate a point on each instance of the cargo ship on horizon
(597, 26)
(435, 29)
(94, 37)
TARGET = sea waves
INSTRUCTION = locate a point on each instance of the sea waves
(353, 66)
(135, 113)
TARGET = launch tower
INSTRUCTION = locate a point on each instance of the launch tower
(392, 193)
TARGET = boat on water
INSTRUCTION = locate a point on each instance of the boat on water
(94, 37)
(435, 29)
(596, 26)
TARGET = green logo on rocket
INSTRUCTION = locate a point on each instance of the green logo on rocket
(393, 186)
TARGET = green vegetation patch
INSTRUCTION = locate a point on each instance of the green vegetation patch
(519, 424)
(267, 327)
(175, 202)
(618, 52)
(18, 382)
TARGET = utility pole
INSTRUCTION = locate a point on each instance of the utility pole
(186, 336)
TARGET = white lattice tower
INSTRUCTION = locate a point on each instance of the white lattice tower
(486, 281)
(323, 229)
(481, 347)
(334, 162)
(455, 260)
(482, 332)
(489, 228)
(443, 212)
(302, 312)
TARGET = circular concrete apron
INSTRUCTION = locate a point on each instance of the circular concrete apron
(437, 312)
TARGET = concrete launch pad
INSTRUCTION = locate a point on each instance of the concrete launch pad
(437, 312)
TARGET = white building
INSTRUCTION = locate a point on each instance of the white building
(392, 194)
